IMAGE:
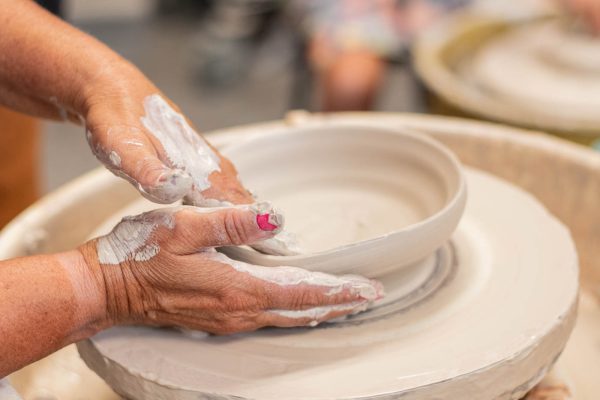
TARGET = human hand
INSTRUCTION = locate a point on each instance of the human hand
(141, 136)
(160, 268)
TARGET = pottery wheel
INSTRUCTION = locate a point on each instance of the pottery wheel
(542, 66)
(482, 318)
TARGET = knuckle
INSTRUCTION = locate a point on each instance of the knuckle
(241, 302)
(307, 298)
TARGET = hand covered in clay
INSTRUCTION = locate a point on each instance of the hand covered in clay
(160, 268)
(140, 135)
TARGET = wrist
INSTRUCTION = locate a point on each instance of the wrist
(117, 307)
(88, 296)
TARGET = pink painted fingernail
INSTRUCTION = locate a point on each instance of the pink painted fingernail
(267, 218)
(263, 222)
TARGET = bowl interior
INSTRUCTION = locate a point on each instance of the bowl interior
(342, 185)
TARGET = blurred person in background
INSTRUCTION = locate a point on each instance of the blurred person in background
(350, 42)
(588, 10)
(347, 44)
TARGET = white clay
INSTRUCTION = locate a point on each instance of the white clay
(288, 355)
(192, 162)
(115, 159)
(353, 196)
(130, 239)
(496, 325)
(185, 149)
(284, 244)
(318, 313)
(292, 276)
(190, 158)
(170, 187)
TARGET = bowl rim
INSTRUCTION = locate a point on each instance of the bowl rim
(457, 199)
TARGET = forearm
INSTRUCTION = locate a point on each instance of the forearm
(47, 67)
(46, 302)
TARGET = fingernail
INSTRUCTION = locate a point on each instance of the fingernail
(267, 218)
(269, 222)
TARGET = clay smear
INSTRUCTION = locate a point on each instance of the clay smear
(292, 276)
(183, 147)
(130, 239)
(317, 314)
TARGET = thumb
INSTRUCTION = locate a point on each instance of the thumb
(230, 226)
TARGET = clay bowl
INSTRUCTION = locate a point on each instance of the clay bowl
(362, 200)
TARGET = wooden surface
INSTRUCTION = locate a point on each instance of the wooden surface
(19, 163)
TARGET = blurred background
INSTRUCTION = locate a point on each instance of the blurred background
(231, 62)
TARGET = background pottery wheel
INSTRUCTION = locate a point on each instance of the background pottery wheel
(563, 176)
(543, 73)
(467, 338)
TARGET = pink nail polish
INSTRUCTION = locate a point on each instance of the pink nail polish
(264, 222)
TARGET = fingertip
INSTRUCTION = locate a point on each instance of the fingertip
(312, 317)
(166, 185)
(267, 218)
(360, 288)
(249, 224)
(259, 224)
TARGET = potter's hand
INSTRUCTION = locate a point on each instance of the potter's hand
(145, 139)
(57, 71)
(160, 268)
(588, 10)
(141, 136)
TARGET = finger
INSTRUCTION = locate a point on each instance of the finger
(293, 288)
(201, 228)
(196, 322)
(316, 289)
(225, 186)
(180, 146)
(310, 317)
(128, 153)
